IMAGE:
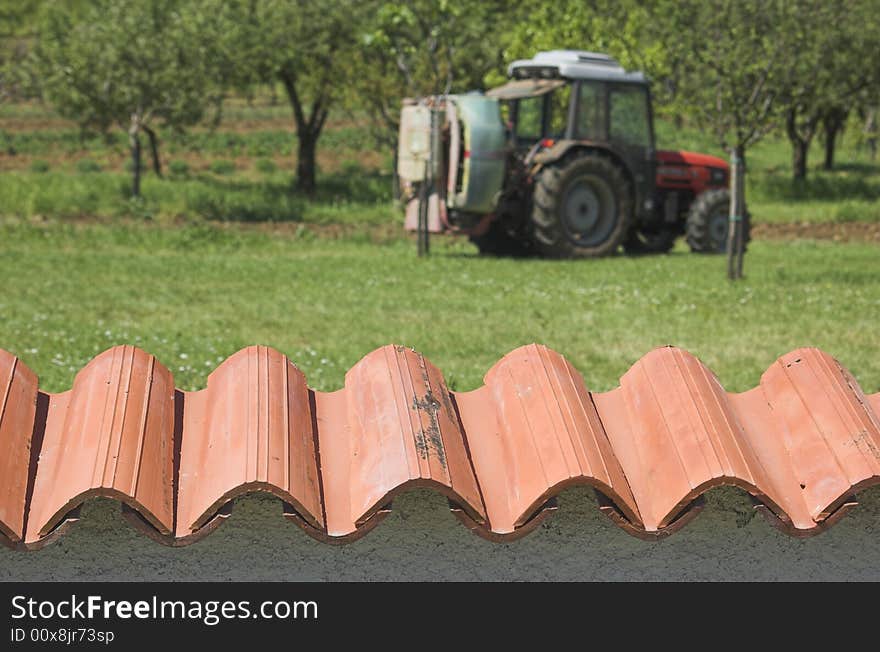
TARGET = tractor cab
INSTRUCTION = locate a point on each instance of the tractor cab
(585, 98)
(577, 96)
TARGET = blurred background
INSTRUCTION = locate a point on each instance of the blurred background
(262, 110)
(196, 176)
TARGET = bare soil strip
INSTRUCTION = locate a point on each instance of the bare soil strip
(836, 231)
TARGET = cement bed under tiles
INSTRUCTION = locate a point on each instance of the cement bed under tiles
(421, 540)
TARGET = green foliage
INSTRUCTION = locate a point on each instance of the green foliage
(342, 199)
(39, 166)
(615, 27)
(737, 69)
(87, 166)
(125, 62)
(826, 72)
(729, 59)
(178, 168)
(351, 167)
(129, 64)
(17, 19)
(421, 48)
(222, 166)
(306, 46)
(265, 165)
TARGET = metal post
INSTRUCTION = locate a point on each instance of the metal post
(741, 243)
(433, 169)
(435, 161)
(424, 199)
(735, 228)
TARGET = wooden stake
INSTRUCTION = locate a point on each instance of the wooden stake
(424, 207)
(735, 228)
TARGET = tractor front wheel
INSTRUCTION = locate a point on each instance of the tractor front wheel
(581, 207)
(708, 223)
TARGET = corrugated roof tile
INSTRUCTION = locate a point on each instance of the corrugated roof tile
(110, 435)
(392, 427)
(18, 401)
(801, 443)
(249, 430)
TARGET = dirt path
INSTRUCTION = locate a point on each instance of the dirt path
(836, 231)
(379, 233)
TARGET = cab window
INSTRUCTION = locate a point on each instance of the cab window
(629, 115)
(559, 101)
(591, 112)
(529, 116)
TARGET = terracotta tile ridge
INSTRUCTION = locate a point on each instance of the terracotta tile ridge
(801, 442)
(700, 430)
(19, 402)
(549, 437)
(831, 434)
(251, 429)
(391, 428)
(107, 436)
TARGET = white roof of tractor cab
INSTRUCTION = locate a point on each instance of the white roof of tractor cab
(573, 64)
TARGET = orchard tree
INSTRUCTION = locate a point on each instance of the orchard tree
(731, 60)
(424, 47)
(308, 47)
(860, 94)
(131, 64)
(17, 27)
(727, 64)
(628, 30)
(831, 47)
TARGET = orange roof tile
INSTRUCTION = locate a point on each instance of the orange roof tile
(801, 443)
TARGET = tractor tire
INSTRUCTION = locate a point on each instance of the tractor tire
(581, 207)
(649, 242)
(498, 242)
(708, 223)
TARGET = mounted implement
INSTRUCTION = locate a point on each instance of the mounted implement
(560, 161)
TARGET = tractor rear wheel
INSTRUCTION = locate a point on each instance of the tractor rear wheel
(708, 223)
(581, 207)
(641, 241)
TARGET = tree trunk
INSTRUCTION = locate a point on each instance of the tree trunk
(154, 150)
(134, 140)
(830, 142)
(395, 179)
(735, 235)
(871, 133)
(305, 163)
(308, 130)
(832, 123)
(799, 151)
(800, 140)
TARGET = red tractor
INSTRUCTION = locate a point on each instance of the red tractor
(560, 161)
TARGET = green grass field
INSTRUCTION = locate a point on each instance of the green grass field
(84, 267)
(194, 295)
(362, 197)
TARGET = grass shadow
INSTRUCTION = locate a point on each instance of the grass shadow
(855, 182)
(276, 199)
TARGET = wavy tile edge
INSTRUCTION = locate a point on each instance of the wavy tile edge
(688, 505)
